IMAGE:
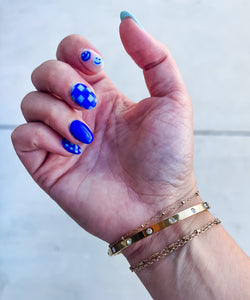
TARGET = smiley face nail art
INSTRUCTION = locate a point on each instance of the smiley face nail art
(97, 60)
(92, 60)
(86, 55)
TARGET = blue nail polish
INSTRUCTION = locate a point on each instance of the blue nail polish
(86, 55)
(83, 96)
(70, 147)
(81, 132)
(91, 55)
(126, 14)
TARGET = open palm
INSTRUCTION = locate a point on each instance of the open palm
(141, 159)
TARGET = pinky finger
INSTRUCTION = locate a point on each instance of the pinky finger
(34, 141)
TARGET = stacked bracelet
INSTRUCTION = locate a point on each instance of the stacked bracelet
(116, 248)
(161, 214)
(173, 247)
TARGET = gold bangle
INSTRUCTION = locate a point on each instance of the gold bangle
(173, 247)
(160, 215)
(116, 248)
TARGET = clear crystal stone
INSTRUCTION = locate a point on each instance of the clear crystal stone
(129, 241)
(205, 204)
(149, 231)
(113, 250)
(171, 220)
(193, 210)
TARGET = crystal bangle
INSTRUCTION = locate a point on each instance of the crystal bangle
(116, 248)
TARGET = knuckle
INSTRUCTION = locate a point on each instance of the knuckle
(67, 41)
(36, 72)
(49, 72)
(51, 117)
(39, 135)
(52, 70)
(16, 134)
(26, 100)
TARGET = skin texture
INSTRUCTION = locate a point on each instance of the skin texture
(140, 161)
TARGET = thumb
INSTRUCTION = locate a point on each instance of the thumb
(160, 70)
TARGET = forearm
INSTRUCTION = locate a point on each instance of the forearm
(210, 266)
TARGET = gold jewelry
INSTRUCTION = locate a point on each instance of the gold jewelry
(182, 215)
(160, 215)
(172, 247)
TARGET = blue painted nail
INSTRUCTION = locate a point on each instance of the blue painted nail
(81, 132)
(70, 147)
(126, 14)
(91, 55)
(83, 96)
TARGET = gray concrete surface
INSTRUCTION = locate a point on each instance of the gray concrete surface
(43, 253)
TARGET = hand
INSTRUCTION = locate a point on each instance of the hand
(141, 159)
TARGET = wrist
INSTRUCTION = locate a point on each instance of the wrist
(201, 269)
(165, 278)
(158, 241)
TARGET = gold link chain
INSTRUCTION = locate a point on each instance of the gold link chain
(173, 247)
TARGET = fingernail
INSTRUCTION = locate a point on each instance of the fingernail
(83, 96)
(70, 147)
(81, 132)
(126, 14)
(92, 60)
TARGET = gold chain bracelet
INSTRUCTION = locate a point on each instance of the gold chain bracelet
(116, 248)
(160, 215)
(173, 247)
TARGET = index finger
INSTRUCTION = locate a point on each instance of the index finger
(78, 52)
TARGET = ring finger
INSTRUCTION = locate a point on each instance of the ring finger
(59, 116)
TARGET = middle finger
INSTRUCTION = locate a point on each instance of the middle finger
(41, 107)
(60, 79)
